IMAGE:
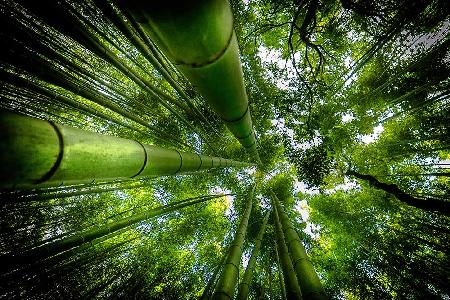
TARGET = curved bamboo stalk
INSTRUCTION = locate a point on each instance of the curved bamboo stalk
(35, 151)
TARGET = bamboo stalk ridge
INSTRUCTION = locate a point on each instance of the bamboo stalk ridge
(34, 151)
(198, 37)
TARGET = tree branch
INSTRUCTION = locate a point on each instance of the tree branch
(428, 204)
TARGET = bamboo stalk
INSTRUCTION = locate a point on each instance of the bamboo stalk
(19, 81)
(280, 276)
(292, 288)
(210, 60)
(120, 23)
(35, 152)
(244, 286)
(209, 288)
(230, 272)
(49, 250)
(307, 277)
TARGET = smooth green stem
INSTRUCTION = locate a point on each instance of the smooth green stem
(244, 286)
(210, 60)
(280, 276)
(34, 151)
(50, 196)
(307, 277)
(213, 280)
(230, 273)
(290, 279)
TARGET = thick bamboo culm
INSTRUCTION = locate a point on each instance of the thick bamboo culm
(291, 285)
(198, 37)
(309, 282)
(34, 151)
(230, 273)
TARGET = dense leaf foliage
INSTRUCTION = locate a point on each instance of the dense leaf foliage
(336, 89)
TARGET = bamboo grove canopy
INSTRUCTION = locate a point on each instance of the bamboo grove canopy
(225, 149)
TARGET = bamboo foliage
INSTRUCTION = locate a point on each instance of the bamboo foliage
(54, 248)
(77, 206)
(35, 152)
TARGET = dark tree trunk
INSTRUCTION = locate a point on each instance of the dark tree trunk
(428, 204)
